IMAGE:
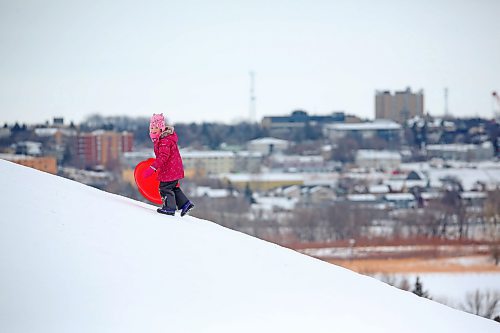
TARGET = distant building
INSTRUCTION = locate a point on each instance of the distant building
(298, 163)
(57, 133)
(382, 129)
(96, 179)
(399, 107)
(461, 152)
(46, 164)
(201, 163)
(5, 132)
(30, 148)
(263, 182)
(428, 198)
(308, 194)
(247, 161)
(378, 189)
(401, 200)
(57, 141)
(267, 146)
(284, 126)
(378, 159)
(102, 148)
(476, 199)
(363, 200)
(132, 158)
(205, 191)
(58, 121)
(273, 204)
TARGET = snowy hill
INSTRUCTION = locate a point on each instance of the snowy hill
(76, 259)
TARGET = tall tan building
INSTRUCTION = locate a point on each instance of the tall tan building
(399, 107)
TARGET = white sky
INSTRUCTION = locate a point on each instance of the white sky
(191, 59)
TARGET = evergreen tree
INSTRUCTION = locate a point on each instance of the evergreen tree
(418, 289)
(249, 194)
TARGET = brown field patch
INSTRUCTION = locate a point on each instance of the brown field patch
(465, 264)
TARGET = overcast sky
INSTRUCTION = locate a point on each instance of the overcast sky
(191, 59)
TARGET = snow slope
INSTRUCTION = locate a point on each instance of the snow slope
(76, 259)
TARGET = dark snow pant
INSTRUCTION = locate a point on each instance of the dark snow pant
(172, 195)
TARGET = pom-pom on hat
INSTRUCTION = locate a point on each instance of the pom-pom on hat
(157, 120)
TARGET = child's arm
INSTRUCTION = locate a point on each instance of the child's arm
(163, 155)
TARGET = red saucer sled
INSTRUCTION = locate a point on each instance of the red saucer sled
(147, 186)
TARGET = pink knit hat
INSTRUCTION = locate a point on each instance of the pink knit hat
(157, 120)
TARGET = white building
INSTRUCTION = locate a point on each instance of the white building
(300, 163)
(263, 181)
(30, 148)
(208, 162)
(205, 191)
(461, 152)
(378, 159)
(401, 200)
(274, 203)
(308, 194)
(267, 146)
(383, 129)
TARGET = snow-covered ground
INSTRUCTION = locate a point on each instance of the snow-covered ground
(452, 289)
(448, 288)
(76, 259)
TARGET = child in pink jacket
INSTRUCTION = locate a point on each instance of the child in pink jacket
(168, 167)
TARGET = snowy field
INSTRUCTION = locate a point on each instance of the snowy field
(451, 289)
(77, 259)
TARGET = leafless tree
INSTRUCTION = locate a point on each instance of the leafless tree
(492, 222)
(392, 280)
(482, 303)
(451, 206)
(229, 212)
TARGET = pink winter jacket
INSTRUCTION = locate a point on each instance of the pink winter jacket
(168, 162)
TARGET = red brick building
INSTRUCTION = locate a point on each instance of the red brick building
(102, 148)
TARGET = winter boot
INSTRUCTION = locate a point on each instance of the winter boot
(186, 208)
(166, 211)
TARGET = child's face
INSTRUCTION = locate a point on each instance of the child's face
(154, 133)
(154, 130)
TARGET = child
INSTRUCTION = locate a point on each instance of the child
(168, 166)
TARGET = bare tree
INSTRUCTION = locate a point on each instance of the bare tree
(229, 212)
(452, 206)
(392, 280)
(495, 253)
(492, 223)
(484, 304)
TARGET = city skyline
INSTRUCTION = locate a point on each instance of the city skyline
(192, 60)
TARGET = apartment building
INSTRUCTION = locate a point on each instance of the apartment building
(102, 148)
(400, 106)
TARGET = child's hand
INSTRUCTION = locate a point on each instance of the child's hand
(148, 172)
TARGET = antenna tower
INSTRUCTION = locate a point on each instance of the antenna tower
(446, 111)
(252, 107)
